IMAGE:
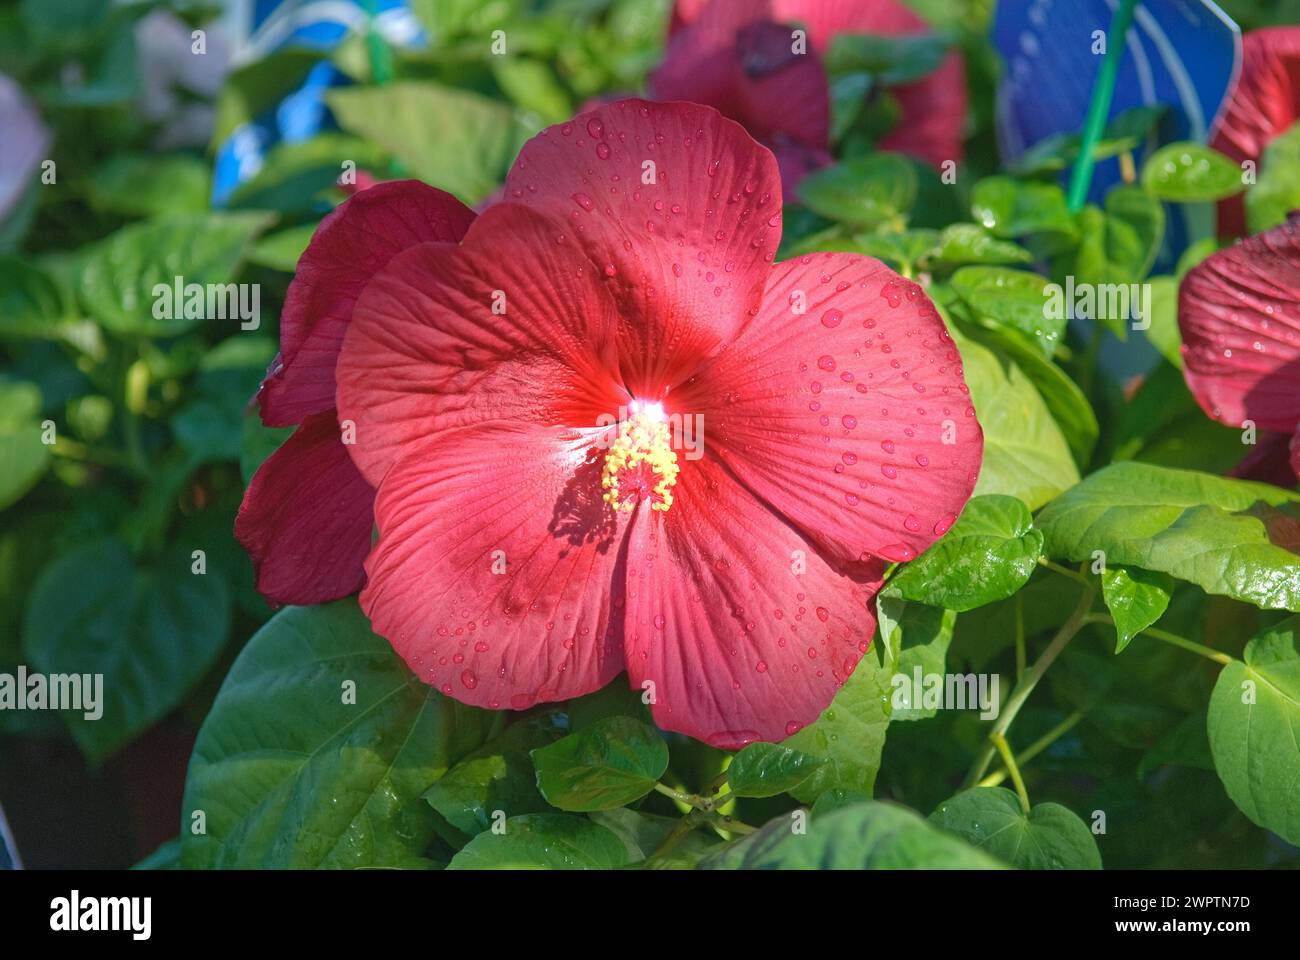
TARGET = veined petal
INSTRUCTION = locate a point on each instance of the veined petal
(514, 325)
(497, 573)
(842, 405)
(741, 625)
(1264, 104)
(678, 206)
(1241, 330)
(349, 247)
(306, 517)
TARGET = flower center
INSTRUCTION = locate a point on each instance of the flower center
(641, 464)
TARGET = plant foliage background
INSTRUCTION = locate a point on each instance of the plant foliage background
(217, 704)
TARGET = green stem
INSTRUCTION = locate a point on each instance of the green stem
(1009, 759)
(675, 836)
(681, 796)
(1020, 637)
(380, 55)
(1037, 747)
(1103, 92)
(1074, 575)
(1030, 680)
(1218, 656)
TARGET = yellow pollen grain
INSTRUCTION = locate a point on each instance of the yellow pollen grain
(642, 439)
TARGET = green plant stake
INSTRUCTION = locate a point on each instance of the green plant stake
(1099, 107)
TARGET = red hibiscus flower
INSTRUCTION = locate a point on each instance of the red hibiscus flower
(736, 55)
(608, 433)
(1265, 103)
(1239, 312)
(307, 515)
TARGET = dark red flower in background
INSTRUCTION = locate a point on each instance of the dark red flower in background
(1265, 103)
(736, 55)
(1239, 312)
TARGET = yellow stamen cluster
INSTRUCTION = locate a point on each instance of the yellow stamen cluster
(642, 439)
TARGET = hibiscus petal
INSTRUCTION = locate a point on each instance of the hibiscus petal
(1265, 102)
(349, 247)
(306, 518)
(497, 573)
(744, 629)
(1269, 460)
(1241, 331)
(686, 253)
(837, 415)
(513, 325)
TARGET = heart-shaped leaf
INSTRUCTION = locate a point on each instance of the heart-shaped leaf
(1254, 726)
(1049, 837)
(608, 764)
(317, 750)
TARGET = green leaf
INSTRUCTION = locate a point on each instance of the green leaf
(767, 769)
(903, 249)
(1064, 399)
(544, 841)
(454, 139)
(611, 763)
(281, 250)
(1188, 172)
(318, 748)
(963, 243)
(1163, 331)
(921, 634)
(869, 192)
(1117, 247)
(989, 554)
(850, 734)
(1136, 598)
(1278, 191)
(1007, 299)
(532, 85)
(146, 185)
(24, 455)
(497, 776)
(150, 632)
(117, 284)
(1229, 537)
(1049, 837)
(1025, 453)
(1254, 726)
(861, 836)
(1011, 208)
(31, 301)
